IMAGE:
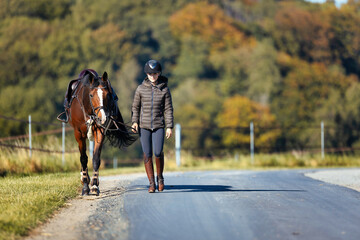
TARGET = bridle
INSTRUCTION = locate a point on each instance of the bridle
(96, 110)
(93, 117)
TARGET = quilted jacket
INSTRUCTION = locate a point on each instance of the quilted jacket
(152, 106)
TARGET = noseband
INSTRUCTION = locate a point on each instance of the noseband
(96, 110)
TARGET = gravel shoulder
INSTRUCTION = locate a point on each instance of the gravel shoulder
(349, 178)
(72, 221)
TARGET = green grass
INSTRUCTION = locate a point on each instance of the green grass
(27, 201)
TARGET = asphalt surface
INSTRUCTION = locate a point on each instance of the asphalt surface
(227, 205)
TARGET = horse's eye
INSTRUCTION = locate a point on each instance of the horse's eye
(91, 95)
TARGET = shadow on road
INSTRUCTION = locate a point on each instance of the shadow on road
(216, 188)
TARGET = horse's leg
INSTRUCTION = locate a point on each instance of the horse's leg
(99, 139)
(85, 179)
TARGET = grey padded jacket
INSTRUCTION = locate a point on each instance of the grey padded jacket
(152, 105)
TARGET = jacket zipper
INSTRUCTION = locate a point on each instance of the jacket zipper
(152, 106)
(141, 113)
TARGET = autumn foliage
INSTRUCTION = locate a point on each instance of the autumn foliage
(237, 113)
(286, 66)
(209, 23)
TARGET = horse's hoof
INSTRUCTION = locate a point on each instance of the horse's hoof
(95, 190)
(85, 192)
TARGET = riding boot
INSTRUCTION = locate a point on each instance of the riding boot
(148, 162)
(159, 170)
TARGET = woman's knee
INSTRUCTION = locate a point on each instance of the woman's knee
(158, 154)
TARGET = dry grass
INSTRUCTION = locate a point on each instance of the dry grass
(287, 160)
(17, 160)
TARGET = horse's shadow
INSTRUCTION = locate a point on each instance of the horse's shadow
(213, 188)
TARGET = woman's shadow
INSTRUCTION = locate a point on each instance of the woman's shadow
(219, 188)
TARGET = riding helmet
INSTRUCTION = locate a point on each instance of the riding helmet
(93, 72)
(152, 66)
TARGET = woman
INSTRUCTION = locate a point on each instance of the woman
(151, 109)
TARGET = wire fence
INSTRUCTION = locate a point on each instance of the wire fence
(28, 136)
(195, 139)
(211, 142)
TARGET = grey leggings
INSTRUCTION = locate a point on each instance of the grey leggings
(152, 140)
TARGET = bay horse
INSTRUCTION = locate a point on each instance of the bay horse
(94, 114)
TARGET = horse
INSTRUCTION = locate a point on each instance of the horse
(93, 114)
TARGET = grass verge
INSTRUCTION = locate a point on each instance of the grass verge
(27, 201)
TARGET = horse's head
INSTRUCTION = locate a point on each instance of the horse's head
(100, 96)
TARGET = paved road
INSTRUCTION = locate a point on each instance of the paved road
(228, 205)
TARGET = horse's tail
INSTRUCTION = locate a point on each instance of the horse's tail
(122, 137)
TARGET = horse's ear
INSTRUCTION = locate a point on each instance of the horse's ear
(105, 77)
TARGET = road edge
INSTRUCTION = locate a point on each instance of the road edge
(349, 178)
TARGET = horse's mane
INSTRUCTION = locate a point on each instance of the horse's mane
(122, 137)
(86, 81)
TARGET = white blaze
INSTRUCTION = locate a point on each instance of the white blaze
(100, 95)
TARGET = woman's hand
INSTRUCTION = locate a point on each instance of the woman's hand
(135, 128)
(168, 133)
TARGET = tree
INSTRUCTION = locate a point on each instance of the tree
(21, 39)
(345, 30)
(209, 23)
(263, 72)
(46, 10)
(235, 117)
(193, 59)
(303, 33)
(341, 114)
(304, 90)
(196, 104)
(232, 70)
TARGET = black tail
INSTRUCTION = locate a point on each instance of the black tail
(123, 137)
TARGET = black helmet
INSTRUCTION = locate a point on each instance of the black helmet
(152, 66)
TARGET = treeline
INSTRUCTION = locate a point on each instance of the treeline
(230, 62)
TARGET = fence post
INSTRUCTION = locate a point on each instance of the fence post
(178, 144)
(30, 147)
(63, 144)
(322, 141)
(252, 142)
(115, 162)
